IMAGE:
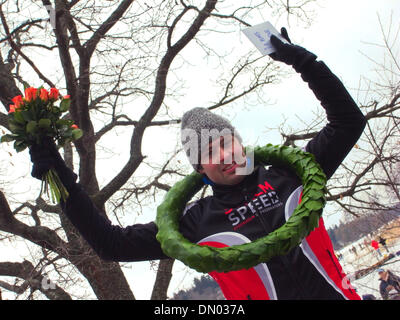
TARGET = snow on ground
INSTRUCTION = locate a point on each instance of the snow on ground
(365, 257)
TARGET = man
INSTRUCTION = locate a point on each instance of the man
(246, 204)
(388, 282)
(382, 241)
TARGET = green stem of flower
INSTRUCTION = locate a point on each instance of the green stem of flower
(53, 187)
(60, 187)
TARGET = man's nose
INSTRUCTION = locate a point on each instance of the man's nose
(226, 155)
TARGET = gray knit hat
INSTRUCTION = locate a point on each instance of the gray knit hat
(199, 127)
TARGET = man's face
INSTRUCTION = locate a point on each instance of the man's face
(222, 159)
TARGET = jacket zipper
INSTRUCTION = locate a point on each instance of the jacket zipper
(283, 259)
(337, 269)
(257, 214)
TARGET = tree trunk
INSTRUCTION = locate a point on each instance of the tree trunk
(163, 278)
(106, 278)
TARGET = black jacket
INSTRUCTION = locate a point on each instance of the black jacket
(393, 281)
(262, 202)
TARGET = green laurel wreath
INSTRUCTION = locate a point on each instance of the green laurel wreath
(279, 242)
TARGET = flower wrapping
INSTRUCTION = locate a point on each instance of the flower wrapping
(38, 115)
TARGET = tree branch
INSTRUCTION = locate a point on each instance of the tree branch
(159, 93)
(39, 235)
(32, 279)
(91, 44)
(14, 46)
(385, 110)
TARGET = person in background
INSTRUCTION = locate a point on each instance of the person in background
(367, 244)
(389, 281)
(375, 245)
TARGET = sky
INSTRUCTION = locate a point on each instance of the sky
(339, 35)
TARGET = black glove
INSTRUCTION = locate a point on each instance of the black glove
(291, 54)
(45, 156)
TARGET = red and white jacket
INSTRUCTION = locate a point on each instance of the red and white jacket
(262, 203)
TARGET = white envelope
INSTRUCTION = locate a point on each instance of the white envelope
(260, 35)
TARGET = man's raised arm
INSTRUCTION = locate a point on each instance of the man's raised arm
(345, 120)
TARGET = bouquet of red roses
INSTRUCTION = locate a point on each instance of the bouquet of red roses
(38, 115)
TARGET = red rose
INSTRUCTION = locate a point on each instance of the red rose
(18, 101)
(54, 94)
(30, 94)
(44, 95)
(12, 108)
